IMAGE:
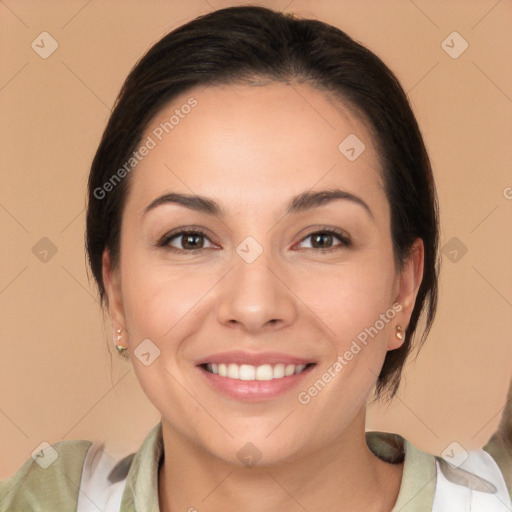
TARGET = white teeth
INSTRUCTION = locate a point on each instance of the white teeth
(249, 372)
(299, 368)
(233, 371)
(278, 371)
(264, 372)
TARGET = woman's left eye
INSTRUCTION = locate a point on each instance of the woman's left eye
(321, 239)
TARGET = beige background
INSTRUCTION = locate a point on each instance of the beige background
(58, 379)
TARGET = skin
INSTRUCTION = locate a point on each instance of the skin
(251, 148)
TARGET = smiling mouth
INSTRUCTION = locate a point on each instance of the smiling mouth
(249, 372)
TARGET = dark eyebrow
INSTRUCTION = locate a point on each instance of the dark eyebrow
(192, 202)
(309, 200)
(302, 202)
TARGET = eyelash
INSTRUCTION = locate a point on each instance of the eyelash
(340, 235)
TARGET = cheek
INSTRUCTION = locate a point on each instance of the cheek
(160, 305)
(158, 301)
(350, 297)
(355, 303)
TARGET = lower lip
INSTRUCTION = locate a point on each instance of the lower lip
(254, 390)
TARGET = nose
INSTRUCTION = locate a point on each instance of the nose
(255, 297)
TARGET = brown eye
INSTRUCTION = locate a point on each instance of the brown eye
(187, 241)
(324, 240)
(192, 241)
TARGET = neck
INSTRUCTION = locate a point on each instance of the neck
(343, 476)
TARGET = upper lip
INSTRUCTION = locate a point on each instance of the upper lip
(252, 358)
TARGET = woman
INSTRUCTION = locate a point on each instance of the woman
(262, 226)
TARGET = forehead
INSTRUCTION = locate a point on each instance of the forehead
(257, 143)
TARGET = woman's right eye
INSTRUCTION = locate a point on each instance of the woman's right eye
(185, 241)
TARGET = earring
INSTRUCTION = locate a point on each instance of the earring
(118, 338)
(399, 333)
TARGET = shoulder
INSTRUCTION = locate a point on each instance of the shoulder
(48, 480)
(500, 448)
(473, 478)
(459, 480)
(85, 477)
(103, 480)
(467, 480)
(68, 475)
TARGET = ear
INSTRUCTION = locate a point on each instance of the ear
(112, 284)
(409, 281)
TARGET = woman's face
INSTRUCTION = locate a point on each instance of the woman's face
(276, 282)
